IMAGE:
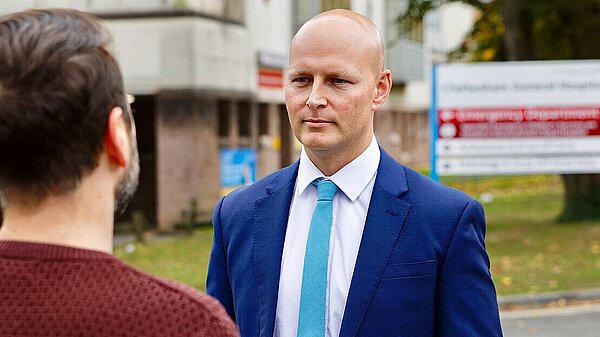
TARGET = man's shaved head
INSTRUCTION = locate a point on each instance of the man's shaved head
(346, 27)
(335, 82)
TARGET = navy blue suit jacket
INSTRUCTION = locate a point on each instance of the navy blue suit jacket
(422, 269)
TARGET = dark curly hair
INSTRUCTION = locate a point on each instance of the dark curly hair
(58, 83)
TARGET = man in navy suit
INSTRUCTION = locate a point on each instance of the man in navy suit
(406, 256)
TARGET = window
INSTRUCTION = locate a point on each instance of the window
(223, 115)
(244, 121)
(394, 9)
(305, 9)
(232, 10)
(263, 119)
(332, 4)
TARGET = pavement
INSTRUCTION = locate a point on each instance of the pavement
(550, 300)
(123, 239)
(581, 321)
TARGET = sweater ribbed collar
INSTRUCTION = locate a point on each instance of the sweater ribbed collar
(26, 249)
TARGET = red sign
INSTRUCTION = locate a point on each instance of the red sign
(270, 78)
(511, 122)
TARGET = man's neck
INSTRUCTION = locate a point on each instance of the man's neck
(331, 161)
(77, 219)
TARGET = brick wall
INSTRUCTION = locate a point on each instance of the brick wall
(187, 156)
(404, 135)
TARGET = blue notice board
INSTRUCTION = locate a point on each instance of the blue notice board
(238, 167)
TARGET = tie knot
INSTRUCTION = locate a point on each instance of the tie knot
(326, 188)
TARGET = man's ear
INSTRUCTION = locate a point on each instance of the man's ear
(382, 90)
(116, 138)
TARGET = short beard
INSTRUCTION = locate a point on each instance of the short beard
(126, 187)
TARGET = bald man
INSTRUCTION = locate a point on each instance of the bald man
(346, 241)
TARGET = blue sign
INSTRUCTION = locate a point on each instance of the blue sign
(238, 167)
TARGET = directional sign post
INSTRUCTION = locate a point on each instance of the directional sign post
(500, 118)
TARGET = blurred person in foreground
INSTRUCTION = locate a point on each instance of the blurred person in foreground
(68, 164)
(346, 241)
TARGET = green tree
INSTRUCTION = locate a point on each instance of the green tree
(518, 30)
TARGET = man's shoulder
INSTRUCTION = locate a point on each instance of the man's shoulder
(186, 295)
(432, 200)
(188, 310)
(420, 187)
(104, 295)
(268, 184)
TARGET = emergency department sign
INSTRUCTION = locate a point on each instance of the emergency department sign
(498, 118)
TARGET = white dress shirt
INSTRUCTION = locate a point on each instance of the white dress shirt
(350, 205)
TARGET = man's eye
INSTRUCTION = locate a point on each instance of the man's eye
(339, 81)
(300, 79)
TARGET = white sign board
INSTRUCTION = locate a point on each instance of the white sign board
(516, 118)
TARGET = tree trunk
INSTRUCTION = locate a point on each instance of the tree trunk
(584, 40)
(518, 30)
(582, 197)
(582, 192)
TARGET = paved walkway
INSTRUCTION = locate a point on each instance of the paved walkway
(123, 239)
(552, 300)
(577, 321)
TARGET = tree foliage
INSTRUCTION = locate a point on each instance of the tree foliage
(514, 30)
(545, 29)
(484, 42)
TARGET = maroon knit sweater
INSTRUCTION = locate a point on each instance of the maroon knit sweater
(49, 290)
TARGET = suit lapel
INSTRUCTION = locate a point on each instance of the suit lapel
(385, 218)
(270, 223)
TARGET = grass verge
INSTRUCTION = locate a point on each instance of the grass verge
(182, 258)
(530, 251)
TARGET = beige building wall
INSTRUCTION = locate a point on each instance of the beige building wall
(190, 63)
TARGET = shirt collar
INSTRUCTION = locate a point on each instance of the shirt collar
(352, 179)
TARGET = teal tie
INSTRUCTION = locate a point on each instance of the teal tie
(311, 320)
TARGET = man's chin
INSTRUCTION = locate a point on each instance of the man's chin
(318, 141)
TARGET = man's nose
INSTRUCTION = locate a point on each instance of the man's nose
(316, 99)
